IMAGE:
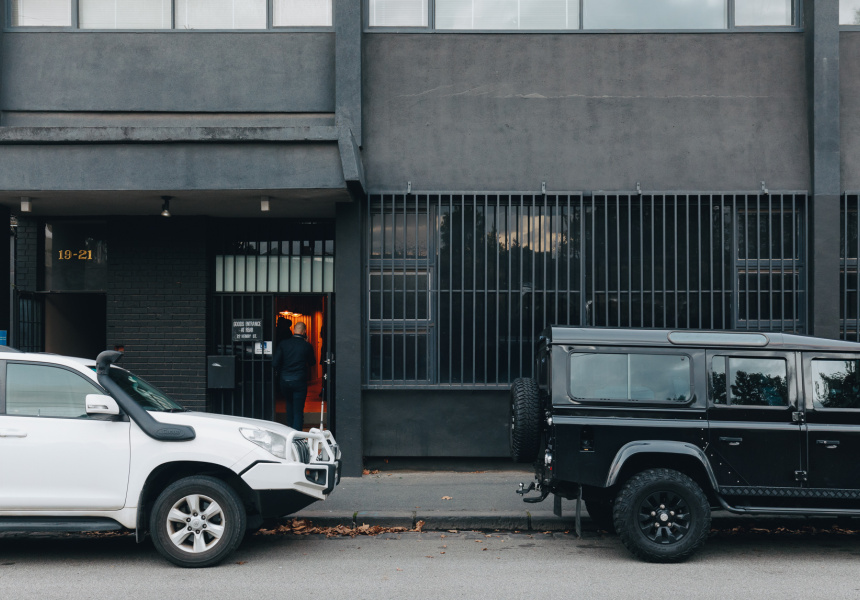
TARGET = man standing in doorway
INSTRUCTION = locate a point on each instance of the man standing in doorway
(292, 362)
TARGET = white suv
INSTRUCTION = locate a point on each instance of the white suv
(88, 446)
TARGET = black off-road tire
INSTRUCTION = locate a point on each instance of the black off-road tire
(675, 503)
(525, 419)
(195, 497)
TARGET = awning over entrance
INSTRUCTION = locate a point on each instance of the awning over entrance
(80, 170)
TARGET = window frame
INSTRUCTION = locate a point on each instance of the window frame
(75, 26)
(790, 373)
(627, 351)
(730, 24)
(4, 380)
(808, 379)
(393, 266)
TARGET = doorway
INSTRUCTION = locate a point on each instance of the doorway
(313, 311)
(75, 324)
(254, 391)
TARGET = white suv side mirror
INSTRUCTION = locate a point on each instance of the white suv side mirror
(100, 404)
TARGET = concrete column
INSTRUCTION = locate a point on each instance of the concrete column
(348, 338)
(347, 26)
(821, 32)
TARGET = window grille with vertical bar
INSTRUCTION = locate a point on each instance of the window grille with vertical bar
(849, 299)
(461, 284)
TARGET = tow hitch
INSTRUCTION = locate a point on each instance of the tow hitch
(532, 486)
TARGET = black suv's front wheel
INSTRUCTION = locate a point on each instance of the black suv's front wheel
(662, 515)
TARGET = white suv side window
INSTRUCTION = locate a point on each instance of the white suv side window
(46, 391)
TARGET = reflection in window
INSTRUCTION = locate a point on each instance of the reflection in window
(398, 13)
(124, 14)
(45, 391)
(630, 377)
(849, 12)
(221, 14)
(41, 13)
(751, 382)
(835, 384)
(655, 14)
(507, 14)
(301, 13)
(764, 12)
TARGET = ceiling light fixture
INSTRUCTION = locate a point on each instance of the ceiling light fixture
(26, 205)
(264, 203)
(165, 206)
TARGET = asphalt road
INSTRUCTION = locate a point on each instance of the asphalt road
(434, 565)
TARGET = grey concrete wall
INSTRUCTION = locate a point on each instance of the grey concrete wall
(585, 112)
(172, 72)
(435, 423)
(170, 166)
(849, 87)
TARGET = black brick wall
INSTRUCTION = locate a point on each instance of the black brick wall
(156, 302)
(27, 255)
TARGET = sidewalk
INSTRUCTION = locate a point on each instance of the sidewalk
(447, 500)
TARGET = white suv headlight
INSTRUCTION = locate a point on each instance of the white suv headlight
(269, 441)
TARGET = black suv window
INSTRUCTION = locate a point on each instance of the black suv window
(835, 383)
(751, 381)
(46, 391)
(630, 377)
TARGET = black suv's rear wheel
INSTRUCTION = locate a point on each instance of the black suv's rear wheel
(662, 515)
(525, 419)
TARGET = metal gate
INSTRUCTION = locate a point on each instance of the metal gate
(253, 393)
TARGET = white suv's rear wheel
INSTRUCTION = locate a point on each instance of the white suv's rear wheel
(197, 521)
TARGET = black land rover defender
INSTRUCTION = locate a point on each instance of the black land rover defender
(653, 428)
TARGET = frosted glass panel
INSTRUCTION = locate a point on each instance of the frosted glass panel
(306, 274)
(220, 14)
(124, 14)
(251, 277)
(301, 13)
(764, 12)
(328, 277)
(284, 274)
(654, 14)
(273, 274)
(402, 13)
(507, 14)
(317, 282)
(295, 274)
(849, 12)
(262, 274)
(219, 273)
(41, 13)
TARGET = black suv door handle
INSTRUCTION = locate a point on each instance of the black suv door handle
(829, 444)
(732, 441)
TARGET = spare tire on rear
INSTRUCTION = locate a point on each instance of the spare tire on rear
(525, 419)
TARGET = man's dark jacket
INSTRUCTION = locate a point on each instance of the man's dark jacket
(293, 359)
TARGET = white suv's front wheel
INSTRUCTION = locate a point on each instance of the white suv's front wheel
(197, 521)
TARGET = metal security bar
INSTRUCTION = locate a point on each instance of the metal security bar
(275, 256)
(849, 303)
(460, 285)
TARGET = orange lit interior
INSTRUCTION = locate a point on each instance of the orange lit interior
(309, 310)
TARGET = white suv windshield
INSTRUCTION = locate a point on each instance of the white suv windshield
(145, 394)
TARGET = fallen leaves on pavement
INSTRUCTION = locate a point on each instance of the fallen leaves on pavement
(447, 498)
(782, 530)
(306, 527)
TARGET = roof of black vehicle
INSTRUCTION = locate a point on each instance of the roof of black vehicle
(771, 340)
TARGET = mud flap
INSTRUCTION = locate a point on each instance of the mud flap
(579, 513)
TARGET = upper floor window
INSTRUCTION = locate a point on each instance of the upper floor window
(559, 15)
(171, 14)
(849, 12)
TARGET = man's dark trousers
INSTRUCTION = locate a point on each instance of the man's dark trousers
(294, 393)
